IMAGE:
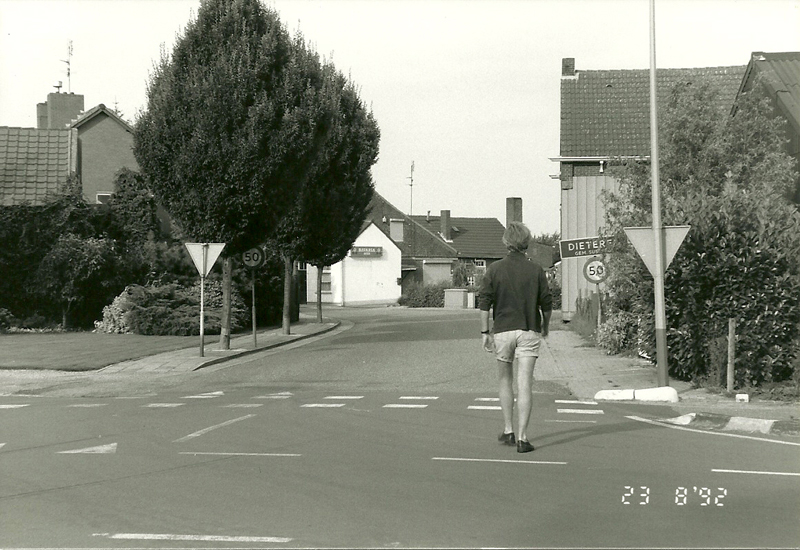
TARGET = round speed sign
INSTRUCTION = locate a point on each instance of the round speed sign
(253, 257)
(595, 271)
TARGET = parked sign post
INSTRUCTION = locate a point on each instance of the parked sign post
(204, 255)
(595, 271)
(253, 258)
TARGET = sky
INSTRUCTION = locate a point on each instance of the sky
(466, 90)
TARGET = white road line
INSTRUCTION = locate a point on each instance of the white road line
(404, 406)
(487, 399)
(579, 411)
(162, 405)
(574, 421)
(86, 405)
(322, 405)
(497, 460)
(415, 397)
(194, 538)
(111, 448)
(13, 406)
(795, 474)
(238, 454)
(344, 397)
(485, 407)
(242, 405)
(206, 430)
(272, 396)
(575, 402)
(207, 395)
(738, 436)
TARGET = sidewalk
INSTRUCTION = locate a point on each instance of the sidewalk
(590, 374)
(189, 359)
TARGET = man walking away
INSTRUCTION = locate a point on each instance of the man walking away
(517, 289)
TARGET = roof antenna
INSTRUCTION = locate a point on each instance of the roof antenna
(68, 61)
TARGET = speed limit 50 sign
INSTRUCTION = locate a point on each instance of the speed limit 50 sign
(595, 271)
(253, 257)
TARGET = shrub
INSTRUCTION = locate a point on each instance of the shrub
(419, 295)
(618, 332)
(169, 310)
(7, 320)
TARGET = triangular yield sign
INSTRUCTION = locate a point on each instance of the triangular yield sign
(2, 445)
(643, 241)
(213, 250)
(100, 449)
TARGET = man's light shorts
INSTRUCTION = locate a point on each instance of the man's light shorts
(516, 343)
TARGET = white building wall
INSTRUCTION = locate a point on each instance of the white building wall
(582, 215)
(362, 280)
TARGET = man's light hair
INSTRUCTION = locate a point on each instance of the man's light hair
(517, 237)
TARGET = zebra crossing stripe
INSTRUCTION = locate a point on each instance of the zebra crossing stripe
(404, 406)
(579, 411)
(14, 406)
(416, 397)
(344, 397)
(485, 407)
(322, 405)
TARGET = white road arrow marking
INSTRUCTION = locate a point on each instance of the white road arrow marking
(100, 449)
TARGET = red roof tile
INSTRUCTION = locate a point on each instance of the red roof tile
(34, 163)
(607, 112)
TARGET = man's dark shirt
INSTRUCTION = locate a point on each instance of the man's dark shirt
(518, 289)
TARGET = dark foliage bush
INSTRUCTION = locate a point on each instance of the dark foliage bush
(419, 295)
(170, 310)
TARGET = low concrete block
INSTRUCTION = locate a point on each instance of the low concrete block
(666, 394)
(614, 395)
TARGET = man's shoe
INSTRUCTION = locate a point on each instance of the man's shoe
(507, 439)
(524, 447)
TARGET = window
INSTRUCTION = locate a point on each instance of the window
(103, 198)
(480, 265)
(325, 287)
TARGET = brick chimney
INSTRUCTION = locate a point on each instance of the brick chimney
(568, 66)
(513, 210)
(445, 225)
(58, 111)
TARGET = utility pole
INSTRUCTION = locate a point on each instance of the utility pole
(658, 233)
(411, 207)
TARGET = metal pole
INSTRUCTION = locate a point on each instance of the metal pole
(731, 354)
(253, 288)
(658, 231)
(202, 314)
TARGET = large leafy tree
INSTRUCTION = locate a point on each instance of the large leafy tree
(728, 178)
(234, 122)
(332, 206)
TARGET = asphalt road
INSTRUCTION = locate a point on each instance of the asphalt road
(380, 435)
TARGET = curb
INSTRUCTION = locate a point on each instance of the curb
(663, 394)
(710, 421)
(242, 353)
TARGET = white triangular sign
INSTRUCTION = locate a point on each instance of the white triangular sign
(212, 252)
(101, 449)
(643, 241)
(2, 445)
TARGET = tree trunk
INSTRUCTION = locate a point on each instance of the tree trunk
(287, 294)
(225, 321)
(319, 293)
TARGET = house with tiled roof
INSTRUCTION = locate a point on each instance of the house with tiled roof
(105, 146)
(605, 114)
(395, 251)
(93, 145)
(35, 163)
(779, 76)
